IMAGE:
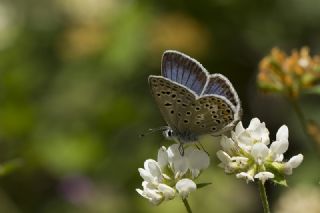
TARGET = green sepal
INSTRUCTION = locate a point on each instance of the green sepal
(279, 178)
(201, 185)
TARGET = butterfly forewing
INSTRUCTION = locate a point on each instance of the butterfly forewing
(184, 70)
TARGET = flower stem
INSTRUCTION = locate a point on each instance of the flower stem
(263, 196)
(186, 204)
(303, 122)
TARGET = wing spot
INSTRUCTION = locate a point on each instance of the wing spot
(158, 94)
(214, 116)
(213, 128)
(172, 111)
(188, 113)
(173, 95)
(179, 114)
(168, 104)
(198, 122)
(218, 121)
(197, 108)
(179, 100)
(203, 126)
(168, 93)
(163, 92)
(186, 121)
(184, 105)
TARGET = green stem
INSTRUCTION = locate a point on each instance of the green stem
(186, 204)
(303, 122)
(263, 196)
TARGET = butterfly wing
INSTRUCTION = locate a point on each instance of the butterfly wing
(186, 113)
(220, 85)
(171, 99)
(184, 70)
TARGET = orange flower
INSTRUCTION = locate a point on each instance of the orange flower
(289, 74)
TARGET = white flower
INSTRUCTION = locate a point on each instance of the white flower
(150, 193)
(171, 173)
(244, 175)
(185, 186)
(255, 133)
(263, 176)
(247, 154)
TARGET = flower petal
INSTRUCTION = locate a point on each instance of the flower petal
(180, 167)
(295, 161)
(167, 191)
(162, 157)
(197, 159)
(185, 186)
(227, 144)
(146, 175)
(279, 147)
(153, 196)
(239, 128)
(223, 157)
(259, 151)
(282, 133)
(245, 175)
(263, 176)
(154, 169)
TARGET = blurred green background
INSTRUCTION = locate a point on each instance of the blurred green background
(74, 98)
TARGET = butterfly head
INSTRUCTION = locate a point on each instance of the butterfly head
(169, 134)
(180, 137)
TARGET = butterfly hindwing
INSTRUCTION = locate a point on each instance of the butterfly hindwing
(171, 99)
(184, 70)
(209, 115)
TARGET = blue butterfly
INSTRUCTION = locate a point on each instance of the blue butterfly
(192, 101)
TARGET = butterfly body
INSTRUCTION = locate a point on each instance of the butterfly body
(193, 102)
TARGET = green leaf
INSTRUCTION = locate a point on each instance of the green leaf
(200, 185)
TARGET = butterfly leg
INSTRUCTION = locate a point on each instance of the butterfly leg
(202, 147)
(181, 149)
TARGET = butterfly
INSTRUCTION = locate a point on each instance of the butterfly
(192, 101)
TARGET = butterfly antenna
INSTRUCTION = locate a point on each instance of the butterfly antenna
(153, 130)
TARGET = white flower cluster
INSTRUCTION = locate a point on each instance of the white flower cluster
(246, 153)
(172, 173)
